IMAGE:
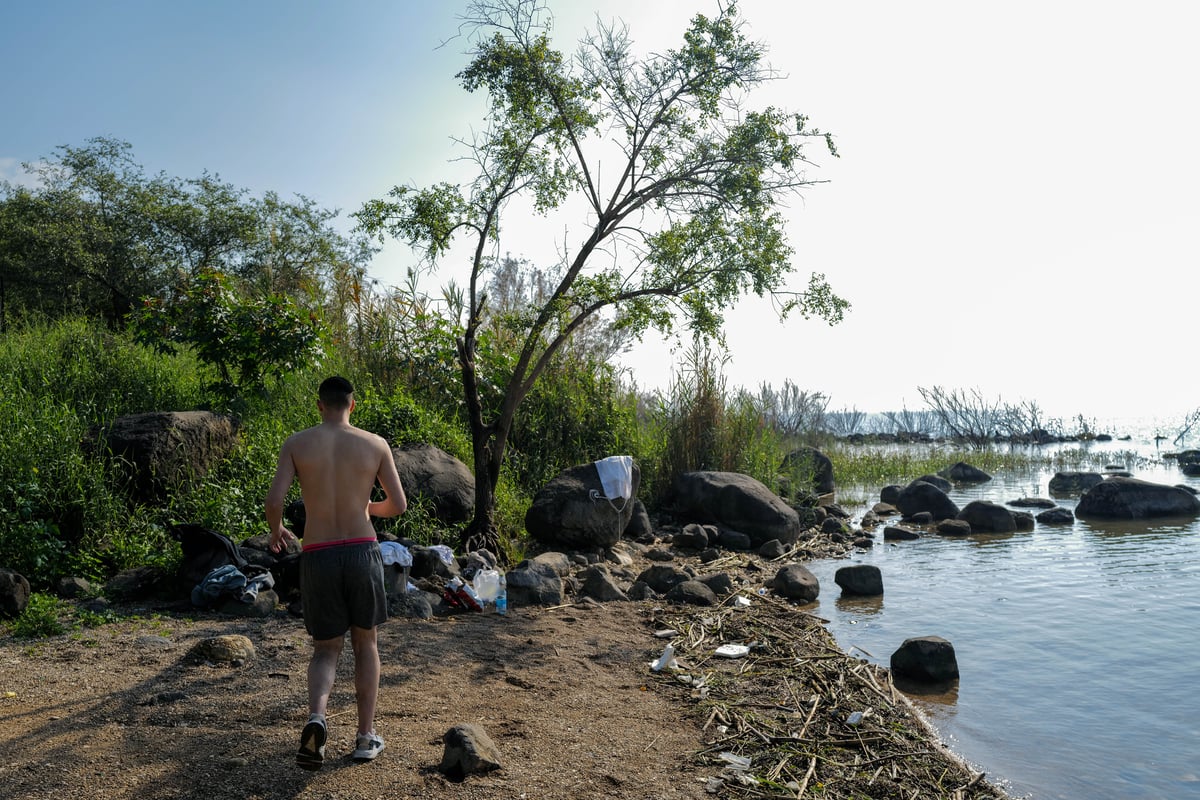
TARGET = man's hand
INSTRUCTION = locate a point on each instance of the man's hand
(281, 538)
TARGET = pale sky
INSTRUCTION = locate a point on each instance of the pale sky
(1014, 211)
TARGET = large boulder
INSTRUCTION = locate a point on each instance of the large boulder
(925, 659)
(860, 580)
(165, 450)
(572, 512)
(14, 593)
(922, 496)
(796, 582)
(1132, 498)
(985, 516)
(437, 477)
(962, 472)
(736, 502)
(812, 469)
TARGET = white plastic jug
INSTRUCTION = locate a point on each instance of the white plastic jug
(487, 585)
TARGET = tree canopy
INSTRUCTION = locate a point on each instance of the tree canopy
(96, 235)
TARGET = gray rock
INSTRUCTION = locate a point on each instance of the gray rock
(233, 649)
(662, 578)
(468, 751)
(962, 472)
(1033, 502)
(263, 606)
(437, 480)
(413, 605)
(692, 593)
(168, 451)
(926, 659)
(734, 540)
(639, 525)
(860, 580)
(694, 536)
(1131, 498)
(558, 562)
(935, 480)
(737, 502)
(895, 533)
(533, 584)
(597, 583)
(922, 496)
(73, 587)
(772, 550)
(640, 590)
(954, 527)
(571, 512)
(796, 582)
(985, 516)
(812, 469)
(720, 582)
(14, 593)
(1056, 516)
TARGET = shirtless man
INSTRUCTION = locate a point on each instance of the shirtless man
(341, 571)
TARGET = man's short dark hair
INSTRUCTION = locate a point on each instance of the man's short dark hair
(335, 392)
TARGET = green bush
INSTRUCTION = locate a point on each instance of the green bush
(41, 618)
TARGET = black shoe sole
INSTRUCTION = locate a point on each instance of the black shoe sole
(312, 746)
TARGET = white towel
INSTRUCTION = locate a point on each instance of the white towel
(616, 476)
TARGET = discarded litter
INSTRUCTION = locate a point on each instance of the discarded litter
(732, 650)
(741, 602)
(666, 633)
(667, 659)
(734, 760)
(855, 719)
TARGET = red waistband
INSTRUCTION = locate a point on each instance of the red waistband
(338, 543)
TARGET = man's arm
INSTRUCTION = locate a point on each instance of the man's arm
(395, 501)
(285, 473)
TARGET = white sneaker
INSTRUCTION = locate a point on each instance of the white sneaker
(367, 746)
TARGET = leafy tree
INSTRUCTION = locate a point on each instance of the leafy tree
(688, 222)
(246, 339)
(96, 235)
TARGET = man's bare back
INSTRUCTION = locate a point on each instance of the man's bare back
(337, 465)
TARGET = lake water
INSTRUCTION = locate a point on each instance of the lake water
(1078, 645)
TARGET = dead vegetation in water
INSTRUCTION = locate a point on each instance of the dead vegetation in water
(797, 717)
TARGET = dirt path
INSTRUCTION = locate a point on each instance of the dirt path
(124, 711)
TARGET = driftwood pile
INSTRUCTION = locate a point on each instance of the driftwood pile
(786, 713)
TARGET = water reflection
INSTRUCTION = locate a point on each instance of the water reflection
(867, 606)
(1075, 642)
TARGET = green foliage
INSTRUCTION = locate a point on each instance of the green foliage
(703, 427)
(576, 413)
(396, 416)
(686, 222)
(246, 339)
(41, 618)
(97, 235)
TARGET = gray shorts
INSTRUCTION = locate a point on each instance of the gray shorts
(342, 586)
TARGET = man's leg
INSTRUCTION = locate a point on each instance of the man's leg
(366, 675)
(322, 669)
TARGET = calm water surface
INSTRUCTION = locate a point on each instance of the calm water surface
(1077, 645)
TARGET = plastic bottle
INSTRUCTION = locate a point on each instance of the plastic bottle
(502, 597)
